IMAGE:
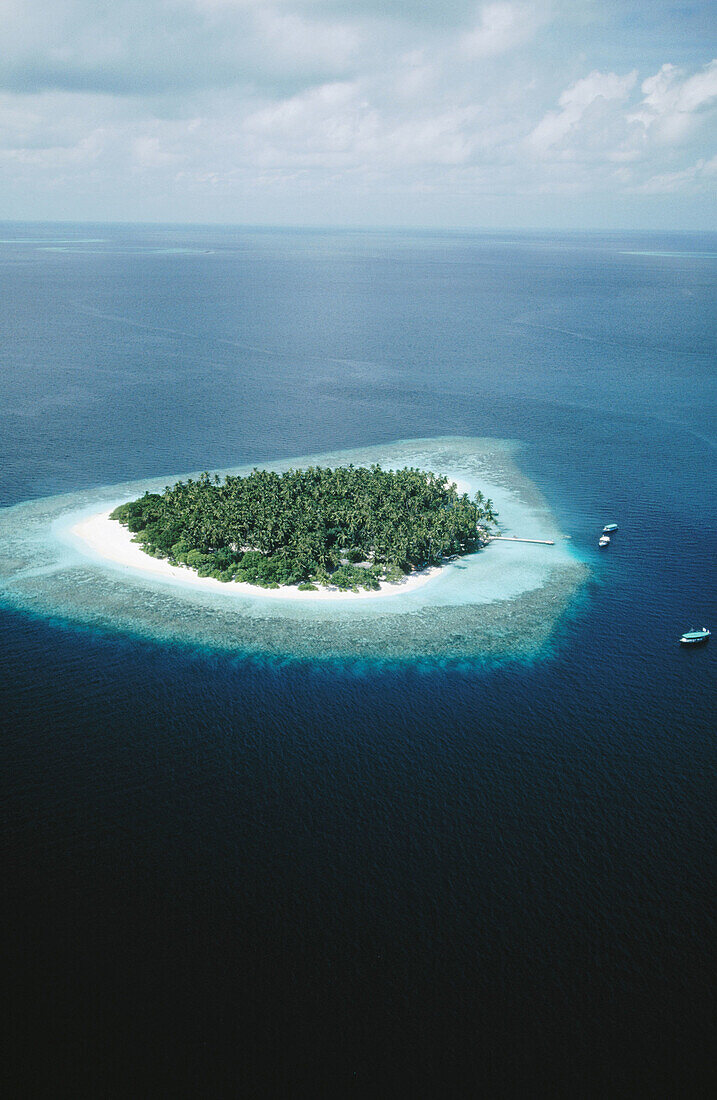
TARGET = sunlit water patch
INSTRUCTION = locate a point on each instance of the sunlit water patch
(674, 255)
(502, 602)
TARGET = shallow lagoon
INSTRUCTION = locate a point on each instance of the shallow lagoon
(502, 602)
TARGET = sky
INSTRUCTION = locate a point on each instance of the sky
(428, 113)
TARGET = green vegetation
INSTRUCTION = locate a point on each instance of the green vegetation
(350, 527)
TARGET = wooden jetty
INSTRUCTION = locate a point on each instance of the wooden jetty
(514, 538)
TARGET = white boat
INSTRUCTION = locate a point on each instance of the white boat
(604, 540)
(694, 637)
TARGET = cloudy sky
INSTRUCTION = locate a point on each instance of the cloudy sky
(592, 113)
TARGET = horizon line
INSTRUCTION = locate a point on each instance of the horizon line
(359, 228)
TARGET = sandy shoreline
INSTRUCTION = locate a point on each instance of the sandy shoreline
(108, 539)
(62, 557)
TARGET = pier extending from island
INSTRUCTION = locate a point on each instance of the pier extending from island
(514, 538)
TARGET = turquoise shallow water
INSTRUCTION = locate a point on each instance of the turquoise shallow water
(233, 869)
(506, 599)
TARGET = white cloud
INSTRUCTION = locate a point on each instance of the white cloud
(149, 152)
(58, 159)
(604, 137)
(141, 47)
(415, 75)
(297, 42)
(556, 126)
(338, 125)
(501, 27)
(175, 97)
(325, 124)
(672, 104)
(699, 176)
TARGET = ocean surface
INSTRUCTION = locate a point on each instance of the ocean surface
(233, 874)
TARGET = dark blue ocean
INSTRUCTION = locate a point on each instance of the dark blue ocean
(249, 878)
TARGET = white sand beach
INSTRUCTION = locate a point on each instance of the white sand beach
(108, 539)
(64, 556)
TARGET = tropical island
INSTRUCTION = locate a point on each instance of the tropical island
(350, 527)
(64, 557)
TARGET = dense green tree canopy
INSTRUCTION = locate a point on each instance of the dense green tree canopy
(351, 526)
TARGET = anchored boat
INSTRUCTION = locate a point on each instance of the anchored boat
(694, 637)
(604, 540)
(609, 528)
